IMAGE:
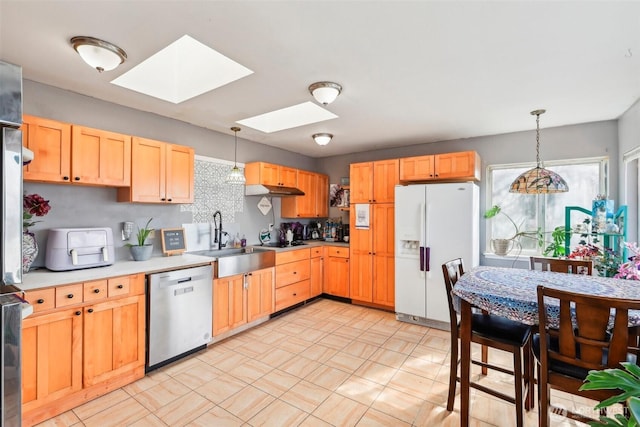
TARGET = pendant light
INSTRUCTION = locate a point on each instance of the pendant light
(538, 180)
(236, 176)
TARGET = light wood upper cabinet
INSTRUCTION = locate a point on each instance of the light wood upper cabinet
(314, 203)
(50, 141)
(270, 174)
(100, 157)
(65, 153)
(373, 182)
(464, 165)
(161, 173)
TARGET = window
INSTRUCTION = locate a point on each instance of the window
(586, 178)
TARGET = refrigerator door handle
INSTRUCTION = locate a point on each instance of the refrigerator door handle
(425, 254)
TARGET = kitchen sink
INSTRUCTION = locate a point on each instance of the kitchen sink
(234, 261)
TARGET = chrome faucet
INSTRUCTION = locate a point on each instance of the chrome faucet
(218, 229)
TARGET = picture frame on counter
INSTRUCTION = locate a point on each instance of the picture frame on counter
(173, 241)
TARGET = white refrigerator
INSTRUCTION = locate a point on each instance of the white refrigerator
(434, 223)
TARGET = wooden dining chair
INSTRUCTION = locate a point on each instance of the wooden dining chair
(587, 333)
(496, 332)
(559, 265)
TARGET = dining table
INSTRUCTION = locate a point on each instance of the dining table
(512, 293)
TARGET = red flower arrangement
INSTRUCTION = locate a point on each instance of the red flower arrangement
(33, 205)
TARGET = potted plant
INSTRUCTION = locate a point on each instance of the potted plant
(502, 246)
(142, 251)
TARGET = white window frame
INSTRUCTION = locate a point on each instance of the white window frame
(603, 184)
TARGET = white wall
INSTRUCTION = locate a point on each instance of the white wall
(629, 139)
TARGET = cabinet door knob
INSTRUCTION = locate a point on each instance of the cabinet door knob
(90, 310)
(120, 286)
(77, 178)
(78, 313)
(70, 296)
(294, 294)
(40, 301)
(295, 272)
(65, 178)
(96, 291)
(163, 199)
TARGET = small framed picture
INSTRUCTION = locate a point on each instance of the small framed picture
(173, 241)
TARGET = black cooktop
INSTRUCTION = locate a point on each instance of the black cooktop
(284, 245)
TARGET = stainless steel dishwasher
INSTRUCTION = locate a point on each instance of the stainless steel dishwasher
(179, 314)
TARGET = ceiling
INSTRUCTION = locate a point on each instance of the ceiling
(412, 72)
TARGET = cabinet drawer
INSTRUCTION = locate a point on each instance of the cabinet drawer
(95, 290)
(42, 299)
(338, 251)
(292, 294)
(292, 272)
(119, 286)
(69, 295)
(316, 252)
(290, 256)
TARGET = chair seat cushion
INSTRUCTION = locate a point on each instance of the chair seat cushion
(500, 329)
(567, 368)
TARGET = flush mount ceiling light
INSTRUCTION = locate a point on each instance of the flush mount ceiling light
(538, 180)
(322, 138)
(325, 92)
(99, 54)
(236, 176)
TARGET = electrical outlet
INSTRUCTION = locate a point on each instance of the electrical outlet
(270, 228)
(152, 235)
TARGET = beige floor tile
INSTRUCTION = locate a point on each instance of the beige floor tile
(431, 354)
(151, 379)
(278, 413)
(230, 360)
(399, 345)
(184, 409)
(320, 353)
(360, 389)
(411, 384)
(436, 341)
(275, 357)
(306, 396)
(376, 372)
(334, 341)
(254, 348)
(217, 417)
(375, 418)
(221, 388)
(388, 357)
(250, 370)
(200, 373)
(127, 412)
(274, 337)
(361, 324)
(181, 365)
(433, 415)
(340, 411)
(148, 421)
(360, 349)
(345, 362)
(299, 366)
(276, 382)
(327, 377)
(247, 402)
(312, 334)
(423, 368)
(328, 325)
(312, 421)
(398, 404)
(373, 337)
(348, 332)
(410, 336)
(100, 404)
(159, 395)
(63, 420)
(294, 345)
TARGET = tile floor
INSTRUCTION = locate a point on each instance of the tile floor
(325, 364)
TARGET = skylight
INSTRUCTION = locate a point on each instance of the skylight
(183, 70)
(289, 117)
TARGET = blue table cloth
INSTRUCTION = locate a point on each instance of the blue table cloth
(511, 292)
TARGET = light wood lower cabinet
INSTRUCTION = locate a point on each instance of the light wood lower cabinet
(293, 273)
(74, 352)
(337, 271)
(316, 275)
(241, 299)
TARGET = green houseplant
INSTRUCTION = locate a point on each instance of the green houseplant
(502, 246)
(142, 251)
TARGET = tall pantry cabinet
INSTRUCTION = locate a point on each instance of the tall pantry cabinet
(372, 248)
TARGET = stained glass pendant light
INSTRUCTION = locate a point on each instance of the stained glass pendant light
(538, 180)
(236, 176)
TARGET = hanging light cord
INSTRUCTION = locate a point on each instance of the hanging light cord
(235, 153)
(538, 139)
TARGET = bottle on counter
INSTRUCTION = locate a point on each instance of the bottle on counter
(243, 241)
(236, 241)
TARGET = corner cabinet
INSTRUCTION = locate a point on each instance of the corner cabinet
(464, 165)
(314, 203)
(50, 141)
(160, 173)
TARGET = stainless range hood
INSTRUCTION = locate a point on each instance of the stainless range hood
(271, 190)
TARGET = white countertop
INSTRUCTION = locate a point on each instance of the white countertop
(43, 278)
